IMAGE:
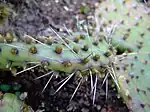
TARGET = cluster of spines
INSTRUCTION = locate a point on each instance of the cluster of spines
(76, 55)
(130, 34)
(124, 26)
(133, 75)
(131, 22)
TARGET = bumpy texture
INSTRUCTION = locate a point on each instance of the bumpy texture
(126, 24)
(129, 22)
(121, 24)
(78, 52)
(134, 74)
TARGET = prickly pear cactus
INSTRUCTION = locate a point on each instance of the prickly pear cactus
(133, 71)
(126, 25)
(10, 103)
(67, 54)
(121, 26)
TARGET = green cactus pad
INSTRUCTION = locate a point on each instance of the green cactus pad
(133, 71)
(10, 103)
(126, 24)
(66, 55)
(130, 20)
(123, 24)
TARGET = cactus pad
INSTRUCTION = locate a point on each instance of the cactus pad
(67, 54)
(121, 24)
(10, 103)
(127, 21)
(133, 71)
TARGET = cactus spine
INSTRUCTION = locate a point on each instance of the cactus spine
(131, 36)
(122, 26)
(68, 54)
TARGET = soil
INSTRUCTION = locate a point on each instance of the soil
(33, 18)
(60, 102)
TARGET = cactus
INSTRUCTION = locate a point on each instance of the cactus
(133, 75)
(128, 23)
(10, 103)
(67, 54)
(122, 26)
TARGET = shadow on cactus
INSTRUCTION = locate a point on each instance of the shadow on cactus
(122, 27)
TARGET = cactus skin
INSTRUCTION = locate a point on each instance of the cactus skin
(134, 74)
(10, 103)
(132, 34)
(131, 20)
(57, 56)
